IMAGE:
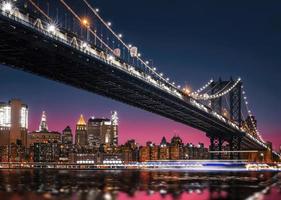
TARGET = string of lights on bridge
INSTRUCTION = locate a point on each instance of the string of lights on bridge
(219, 94)
(250, 114)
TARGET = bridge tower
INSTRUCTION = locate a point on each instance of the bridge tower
(231, 103)
(235, 100)
(216, 104)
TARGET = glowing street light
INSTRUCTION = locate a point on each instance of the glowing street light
(111, 58)
(85, 22)
(120, 35)
(97, 10)
(84, 45)
(186, 90)
(51, 28)
(109, 23)
(7, 6)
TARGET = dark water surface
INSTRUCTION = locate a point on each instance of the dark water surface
(140, 185)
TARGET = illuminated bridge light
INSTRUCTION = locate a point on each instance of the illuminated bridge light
(7, 6)
(51, 28)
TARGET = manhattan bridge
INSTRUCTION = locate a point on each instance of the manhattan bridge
(54, 39)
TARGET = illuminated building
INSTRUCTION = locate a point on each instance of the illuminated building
(154, 152)
(94, 132)
(46, 152)
(164, 153)
(130, 151)
(43, 127)
(196, 152)
(85, 158)
(43, 135)
(81, 137)
(67, 137)
(176, 148)
(13, 122)
(103, 131)
(144, 153)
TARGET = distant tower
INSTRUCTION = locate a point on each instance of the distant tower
(114, 123)
(81, 138)
(43, 127)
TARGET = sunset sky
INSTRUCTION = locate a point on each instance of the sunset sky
(192, 42)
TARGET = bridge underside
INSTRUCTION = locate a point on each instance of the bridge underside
(29, 50)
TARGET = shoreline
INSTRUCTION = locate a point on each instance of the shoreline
(198, 166)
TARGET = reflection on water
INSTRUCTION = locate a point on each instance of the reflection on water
(140, 185)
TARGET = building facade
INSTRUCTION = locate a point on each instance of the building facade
(81, 138)
(103, 131)
(13, 122)
(67, 137)
(43, 135)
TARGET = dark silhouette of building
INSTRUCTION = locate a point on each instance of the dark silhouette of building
(67, 137)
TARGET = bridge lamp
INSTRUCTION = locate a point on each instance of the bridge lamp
(154, 68)
(97, 10)
(85, 22)
(120, 35)
(7, 6)
(51, 28)
(110, 58)
(109, 24)
(186, 90)
(146, 62)
(139, 55)
(161, 74)
(84, 45)
(130, 46)
(167, 79)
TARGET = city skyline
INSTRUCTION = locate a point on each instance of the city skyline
(230, 58)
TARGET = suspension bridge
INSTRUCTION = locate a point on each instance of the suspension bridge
(52, 39)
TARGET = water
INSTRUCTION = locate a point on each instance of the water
(140, 185)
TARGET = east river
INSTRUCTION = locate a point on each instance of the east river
(140, 185)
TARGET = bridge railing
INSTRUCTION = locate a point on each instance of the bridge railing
(97, 53)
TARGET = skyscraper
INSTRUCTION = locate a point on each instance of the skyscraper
(67, 137)
(43, 135)
(13, 122)
(81, 137)
(103, 131)
(43, 123)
